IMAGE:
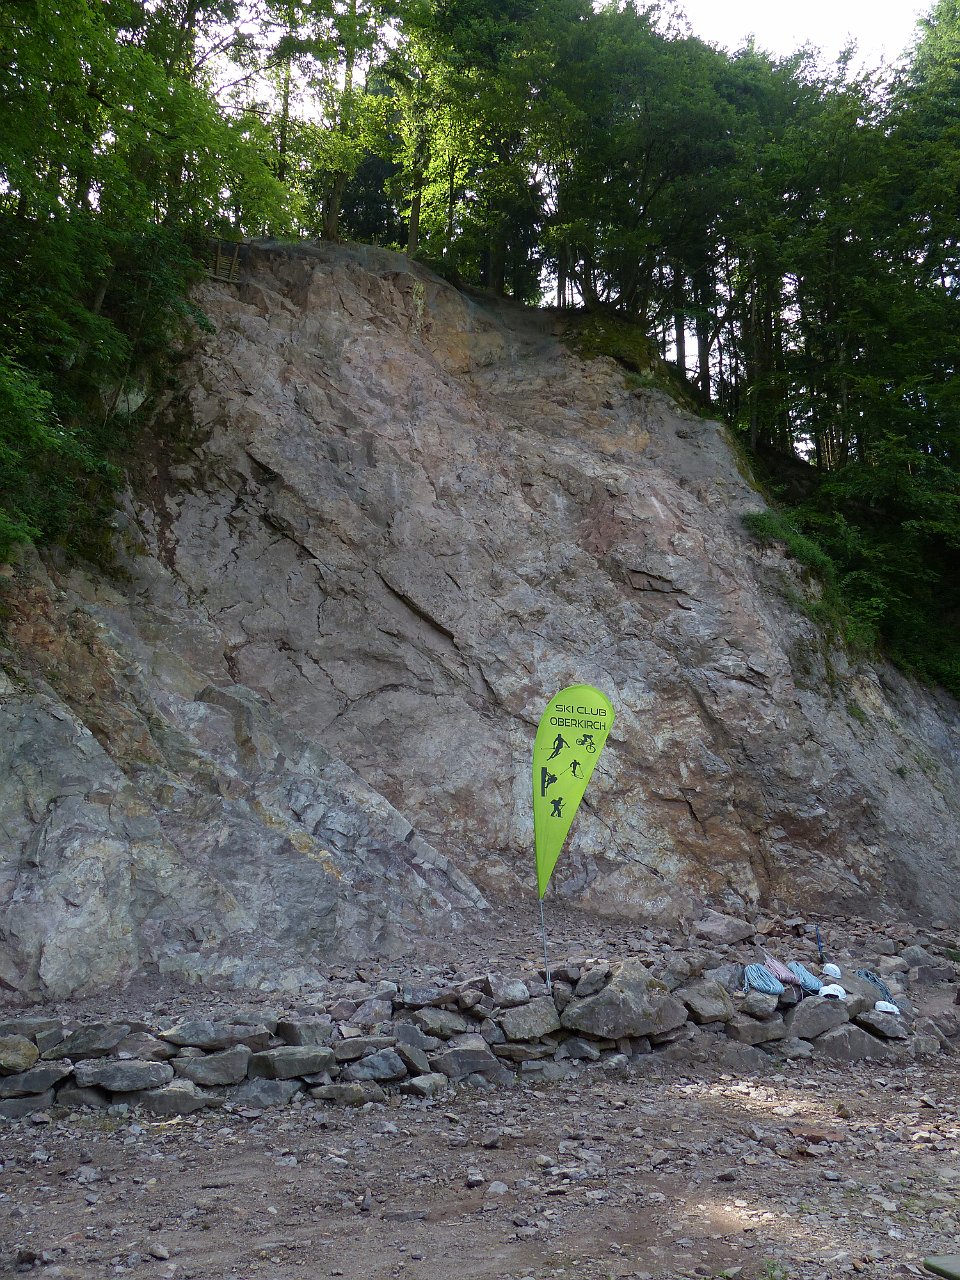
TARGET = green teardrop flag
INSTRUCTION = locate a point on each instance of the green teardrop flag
(569, 740)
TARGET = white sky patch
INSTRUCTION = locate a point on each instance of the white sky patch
(882, 29)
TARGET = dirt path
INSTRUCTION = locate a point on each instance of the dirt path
(659, 1173)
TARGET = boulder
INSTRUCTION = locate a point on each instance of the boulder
(259, 1093)
(462, 1061)
(385, 1065)
(415, 1060)
(227, 1067)
(442, 1023)
(15, 1108)
(179, 1098)
(886, 1025)
(17, 1054)
(94, 1041)
(355, 1093)
(530, 1021)
(372, 1012)
(406, 1033)
(203, 1034)
(427, 1085)
(633, 1003)
(592, 980)
(360, 1047)
(706, 1000)
(753, 1031)
(37, 1079)
(850, 1043)
(504, 992)
(723, 930)
(306, 1031)
(758, 1004)
(290, 1061)
(122, 1075)
(30, 1027)
(141, 1044)
(813, 1016)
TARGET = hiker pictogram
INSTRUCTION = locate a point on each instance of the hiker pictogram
(559, 743)
(547, 779)
(588, 744)
(556, 810)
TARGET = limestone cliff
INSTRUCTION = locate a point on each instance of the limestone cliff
(378, 523)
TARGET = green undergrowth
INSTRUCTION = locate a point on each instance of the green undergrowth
(603, 333)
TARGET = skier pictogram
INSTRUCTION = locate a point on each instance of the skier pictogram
(559, 743)
(575, 769)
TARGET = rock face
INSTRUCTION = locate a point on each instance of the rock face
(380, 523)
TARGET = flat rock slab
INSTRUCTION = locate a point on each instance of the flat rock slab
(228, 1067)
(290, 1061)
(37, 1080)
(121, 1076)
(203, 1034)
(947, 1265)
(90, 1042)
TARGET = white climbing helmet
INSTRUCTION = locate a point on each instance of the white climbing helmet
(833, 991)
(831, 970)
(885, 1006)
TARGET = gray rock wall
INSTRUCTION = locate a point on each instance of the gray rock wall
(378, 525)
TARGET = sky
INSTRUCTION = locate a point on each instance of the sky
(881, 28)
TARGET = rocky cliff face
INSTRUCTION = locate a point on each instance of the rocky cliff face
(379, 525)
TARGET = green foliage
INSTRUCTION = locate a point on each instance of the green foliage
(114, 163)
(774, 527)
(787, 230)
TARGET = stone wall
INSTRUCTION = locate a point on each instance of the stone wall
(370, 1038)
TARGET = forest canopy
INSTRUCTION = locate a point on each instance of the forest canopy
(787, 232)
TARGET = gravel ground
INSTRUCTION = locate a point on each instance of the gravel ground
(803, 1172)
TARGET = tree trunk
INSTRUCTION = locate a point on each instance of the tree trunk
(679, 322)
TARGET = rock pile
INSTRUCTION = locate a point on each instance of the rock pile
(370, 1036)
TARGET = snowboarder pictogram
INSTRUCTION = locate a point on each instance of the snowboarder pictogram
(559, 743)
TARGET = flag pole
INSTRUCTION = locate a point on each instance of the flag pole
(546, 962)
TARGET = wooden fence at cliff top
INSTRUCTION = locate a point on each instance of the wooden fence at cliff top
(223, 260)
